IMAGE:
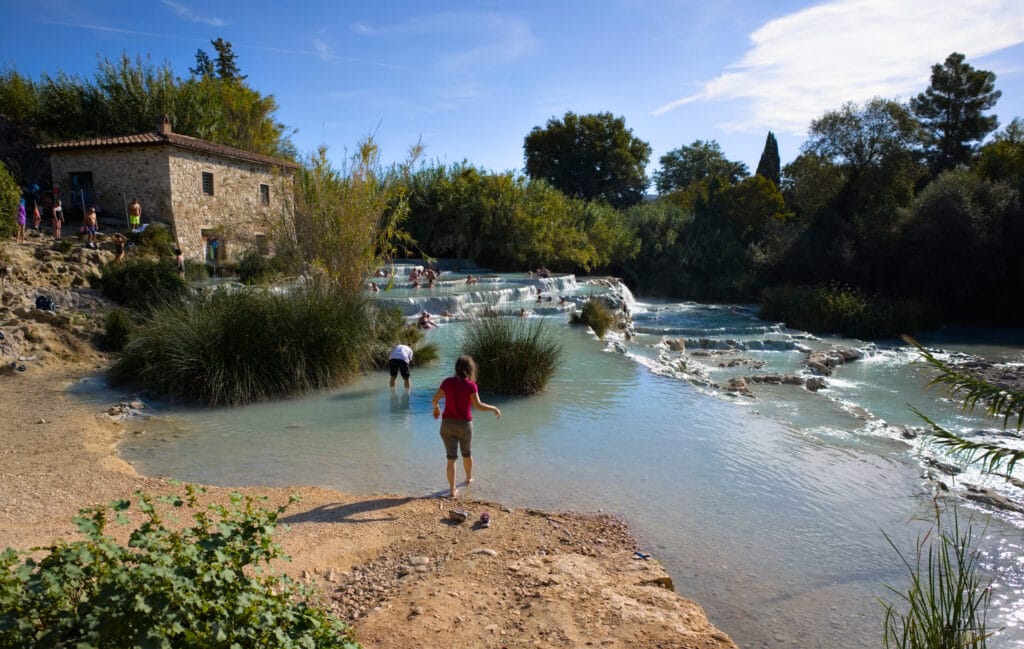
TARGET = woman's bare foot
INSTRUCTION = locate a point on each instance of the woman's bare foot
(469, 480)
(453, 493)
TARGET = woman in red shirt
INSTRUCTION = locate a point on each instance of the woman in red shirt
(460, 396)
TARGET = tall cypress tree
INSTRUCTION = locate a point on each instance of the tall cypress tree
(770, 166)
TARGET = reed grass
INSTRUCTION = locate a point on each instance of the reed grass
(945, 605)
(513, 355)
(234, 346)
(595, 315)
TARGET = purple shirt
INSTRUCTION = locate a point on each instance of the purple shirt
(21, 213)
(457, 398)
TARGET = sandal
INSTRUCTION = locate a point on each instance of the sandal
(458, 515)
(485, 520)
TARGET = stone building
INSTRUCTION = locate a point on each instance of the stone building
(218, 200)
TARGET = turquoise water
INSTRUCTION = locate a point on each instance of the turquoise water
(769, 512)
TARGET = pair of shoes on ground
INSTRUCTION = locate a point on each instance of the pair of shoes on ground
(460, 516)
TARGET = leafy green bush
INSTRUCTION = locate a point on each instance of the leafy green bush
(209, 585)
(195, 271)
(255, 268)
(236, 345)
(513, 355)
(156, 239)
(595, 315)
(117, 327)
(9, 195)
(836, 309)
(64, 245)
(141, 283)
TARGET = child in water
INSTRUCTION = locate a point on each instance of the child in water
(460, 396)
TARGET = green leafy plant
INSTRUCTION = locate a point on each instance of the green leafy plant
(595, 315)
(64, 245)
(513, 355)
(117, 327)
(971, 391)
(141, 283)
(208, 585)
(946, 603)
(254, 268)
(833, 308)
(156, 240)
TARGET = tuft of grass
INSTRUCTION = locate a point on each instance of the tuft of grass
(595, 315)
(513, 355)
(235, 346)
(946, 602)
(140, 283)
(391, 329)
(64, 245)
(117, 327)
(255, 268)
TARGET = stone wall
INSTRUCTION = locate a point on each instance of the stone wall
(118, 174)
(235, 212)
(168, 181)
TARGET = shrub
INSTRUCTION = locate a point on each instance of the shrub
(595, 315)
(209, 585)
(117, 326)
(235, 345)
(514, 356)
(141, 283)
(836, 309)
(195, 271)
(255, 268)
(9, 195)
(64, 245)
(156, 239)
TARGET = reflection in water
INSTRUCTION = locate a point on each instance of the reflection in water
(774, 527)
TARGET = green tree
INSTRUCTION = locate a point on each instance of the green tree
(204, 65)
(1002, 159)
(951, 111)
(592, 157)
(811, 183)
(769, 164)
(226, 62)
(699, 161)
(9, 195)
(862, 137)
(19, 99)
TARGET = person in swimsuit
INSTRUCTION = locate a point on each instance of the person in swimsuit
(460, 396)
(57, 219)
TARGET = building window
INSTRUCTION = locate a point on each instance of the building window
(208, 183)
(265, 194)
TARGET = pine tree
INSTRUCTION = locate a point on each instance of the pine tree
(227, 67)
(951, 111)
(770, 165)
(204, 65)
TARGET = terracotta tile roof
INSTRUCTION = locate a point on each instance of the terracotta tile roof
(171, 139)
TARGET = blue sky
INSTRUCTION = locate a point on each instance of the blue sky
(470, 79)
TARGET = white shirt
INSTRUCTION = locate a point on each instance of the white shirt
(402, 353)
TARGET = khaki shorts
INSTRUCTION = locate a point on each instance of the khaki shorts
(456, 433)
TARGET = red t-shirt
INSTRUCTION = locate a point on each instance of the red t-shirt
(457, 395)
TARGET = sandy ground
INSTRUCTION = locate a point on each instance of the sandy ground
(397, 567)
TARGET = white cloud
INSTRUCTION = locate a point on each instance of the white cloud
(323, 49)
(814, 60)
(186, 13)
